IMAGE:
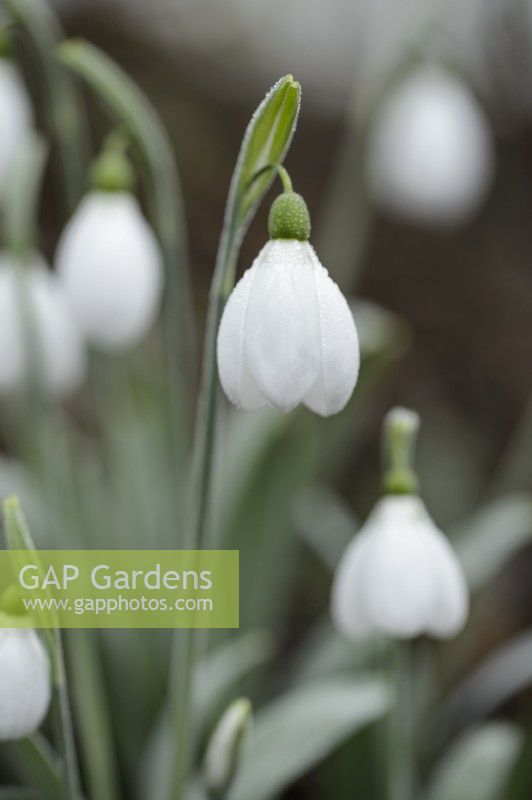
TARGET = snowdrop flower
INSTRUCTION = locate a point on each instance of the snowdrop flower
(58, 342)
(24, 682)
(287, 335)
(16, 118)
(399, 577)
(110, 263)
(430, 152)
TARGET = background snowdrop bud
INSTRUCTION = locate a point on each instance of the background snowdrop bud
(399, 577)
(109, 259)
(225, 747)
(430, 152)
(16, 114)
(58, 343)
(287, 335)
(25, 680)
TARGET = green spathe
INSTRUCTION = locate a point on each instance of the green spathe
(289, 218)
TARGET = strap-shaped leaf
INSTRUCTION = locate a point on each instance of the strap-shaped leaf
(487, 541)
(502, 675)
(478, 765)
(294, 733)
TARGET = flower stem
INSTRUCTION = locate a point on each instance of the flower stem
(71, 785)
(400, 740)
(399, 437)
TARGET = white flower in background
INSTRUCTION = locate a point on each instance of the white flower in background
(287, 335)
(58, 342)
(24, 682)
(111, 267)
(430, 151)
(16, 118)
(399, 577)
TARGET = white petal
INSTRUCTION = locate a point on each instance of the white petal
(58, 338)
(110, 262)
(58, 341)
(398, 580)
(24, 683)
(451, 599)
(234, 374)
(16, 119)
(340, 356)
(347, 609)
(281, 339)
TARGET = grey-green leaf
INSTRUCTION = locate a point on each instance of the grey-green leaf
(503, 674)
(478, 765)
(488, 541)
(297, 731)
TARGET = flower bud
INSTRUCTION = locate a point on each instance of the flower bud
(430, 151)
(51, 329)
(111, 267)
(25, 682)
(16, 118)
(225, 747)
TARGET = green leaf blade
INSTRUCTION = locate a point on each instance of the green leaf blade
(479, 764)
(297, 731)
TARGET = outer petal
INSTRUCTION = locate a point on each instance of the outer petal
(281, 338)
(110, 263)
(61, 346)
(340, 355)
(451, 599)
(234, 374)
(347, 609)
(24, 684)
(398, 581)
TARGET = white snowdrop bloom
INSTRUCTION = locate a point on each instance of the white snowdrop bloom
(16, 118)
(287, 335)
(399, 577)
(24, 682)
(58, 341)
(430, 153)
(110, 263)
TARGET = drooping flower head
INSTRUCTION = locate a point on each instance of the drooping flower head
(430, 151)
(399, 577)
(25, 676)
(34, 312)
(287, 335)
(110, 262)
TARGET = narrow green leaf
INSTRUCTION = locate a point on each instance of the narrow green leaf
(500, 677)
(325, 523)
(294, 733)
(478, 765)
(63, 105)
(220, 671)
(492, 536)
